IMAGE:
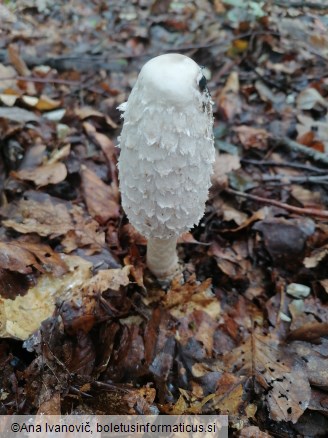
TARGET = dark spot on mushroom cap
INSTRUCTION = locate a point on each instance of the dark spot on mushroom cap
(202, 83)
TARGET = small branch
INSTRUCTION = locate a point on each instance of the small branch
(300, 4)
(291, 208)
(291, 165)
(317, 179)
(41, 80)
(297, 147)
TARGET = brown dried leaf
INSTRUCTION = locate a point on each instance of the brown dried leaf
(309, 332)
(229, 395)
(86, 112)
(12, 283)
(52, 173)
(45, 217)
(51, 406)
(224, 163)
(106, 144)
(86, 233)
(252, 137)
(229, 101)
(99, 197)
(316, 256)
(314, 359)
(197, 310)
(20, 256)
(277, 371)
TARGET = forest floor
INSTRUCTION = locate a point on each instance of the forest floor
(84, 326)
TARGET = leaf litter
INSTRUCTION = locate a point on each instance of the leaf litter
(84, 327)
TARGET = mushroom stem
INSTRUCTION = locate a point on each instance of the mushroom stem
(162, 257)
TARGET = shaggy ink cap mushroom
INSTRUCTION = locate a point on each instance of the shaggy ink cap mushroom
(166, 155)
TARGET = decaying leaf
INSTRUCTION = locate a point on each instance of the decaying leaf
(228, 100)
(280, 373)
(252, 137)
(20, 317)
(99, 197)
(86, 233)
(315, 258)
(44, 216)
(21, 255)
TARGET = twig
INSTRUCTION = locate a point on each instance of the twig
(277, 164)
(294, 146)
(41, 80)
(317, 179)
(297, 210)
(300, 4)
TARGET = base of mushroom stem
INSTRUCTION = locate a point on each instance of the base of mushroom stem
(162, 259)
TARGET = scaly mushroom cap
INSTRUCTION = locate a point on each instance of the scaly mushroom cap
(166, 147)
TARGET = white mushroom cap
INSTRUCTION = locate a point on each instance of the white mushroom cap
(166, 147)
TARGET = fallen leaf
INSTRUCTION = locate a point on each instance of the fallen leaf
(314, 359)
(20, 317)
(109, 279)
(316, 256)
(224, 163)
(20, 256)
(99, 197)
(85, 233)
(52, 173)
(85, 112)
(46, 217)
(229, 397)
(229, 101)
(252, 137)
(309, 99)
(280, 373)
(18, 115)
